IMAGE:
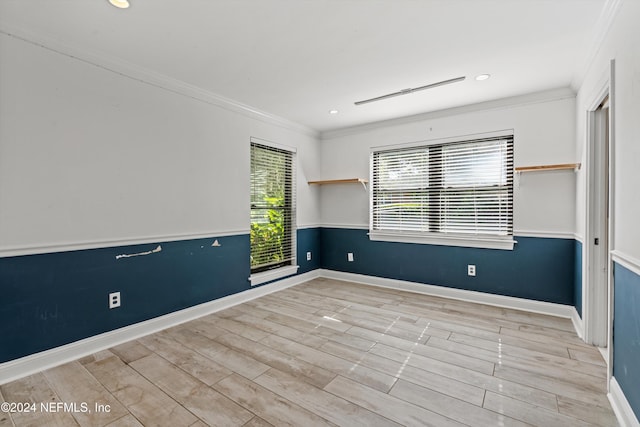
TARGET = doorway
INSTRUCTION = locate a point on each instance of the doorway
(598, 284)
(597, 294)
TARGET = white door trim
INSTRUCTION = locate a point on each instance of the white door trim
(598, 317)
(612, 204)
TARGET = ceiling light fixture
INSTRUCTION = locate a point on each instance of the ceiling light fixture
(333, 111)
(481, 77)
(120, 4)
(411, 90)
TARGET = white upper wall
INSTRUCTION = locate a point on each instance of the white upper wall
(622, 43)
(89, 156)
(544, 133)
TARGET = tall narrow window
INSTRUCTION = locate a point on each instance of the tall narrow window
(461, 191)
(272, 208)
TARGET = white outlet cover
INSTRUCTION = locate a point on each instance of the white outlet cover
(350, 257)
(308, 256)
(471, 270)
(114, 300)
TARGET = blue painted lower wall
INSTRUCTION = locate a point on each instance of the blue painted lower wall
(540, 269)
(308, 240)
(57, 298)
(53, 299)
(626, 334)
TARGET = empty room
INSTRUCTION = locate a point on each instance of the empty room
(319, 212)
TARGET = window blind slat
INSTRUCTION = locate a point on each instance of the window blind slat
(462, 187)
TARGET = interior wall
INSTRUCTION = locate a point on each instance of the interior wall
(95, 165)
(544, 133)
(621, 43)
(544, 205)
(89, 155)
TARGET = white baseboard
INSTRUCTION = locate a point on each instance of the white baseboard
(553, 309)
(28, 365)
(624, 413)
(578, 324)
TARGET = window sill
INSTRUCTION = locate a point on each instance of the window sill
(466, 241)
(277, 273)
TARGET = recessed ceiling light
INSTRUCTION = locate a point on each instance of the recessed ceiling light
(333, 111)
(121, 4)
(481, 77)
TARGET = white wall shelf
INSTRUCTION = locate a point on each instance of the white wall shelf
(574, 166)
(341, 181)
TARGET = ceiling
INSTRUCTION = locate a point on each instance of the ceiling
(298, 59)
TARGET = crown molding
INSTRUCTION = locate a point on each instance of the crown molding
(151, 78)
(512, 101)
(603, 25)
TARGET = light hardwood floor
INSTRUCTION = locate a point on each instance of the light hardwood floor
(334, 353)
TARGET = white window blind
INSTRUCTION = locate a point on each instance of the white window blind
(272, 208)
(452, 189)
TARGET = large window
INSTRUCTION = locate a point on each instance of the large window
(272, 209)
(458, 193)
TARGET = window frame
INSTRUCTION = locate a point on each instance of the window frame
(489, 241)
(277, 272)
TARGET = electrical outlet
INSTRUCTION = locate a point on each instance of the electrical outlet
(471, 270)
(114, 300)
(350, 257)
(308, 256)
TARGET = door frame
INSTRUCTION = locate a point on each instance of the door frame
(598, 300)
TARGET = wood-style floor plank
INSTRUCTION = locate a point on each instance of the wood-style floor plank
(374, 379)
(328, 352)
(529, 414)
(387, 405)
(272, 357)
(590, 413)
(5, 418)
(258, 422)
(506, 342)
(126, 421)
(130, 351)
(488, 382)
(455, 409)
(545, 339)
(206, 403)
(332, 408)
(560, 386)
(304, 337)
(33, 390)
(230, 359)
(230, 325)
(187, 359)
(593, 357)
(444, 385)
(529, 361)
(73, 384)
(267, 404)
(146, 401)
